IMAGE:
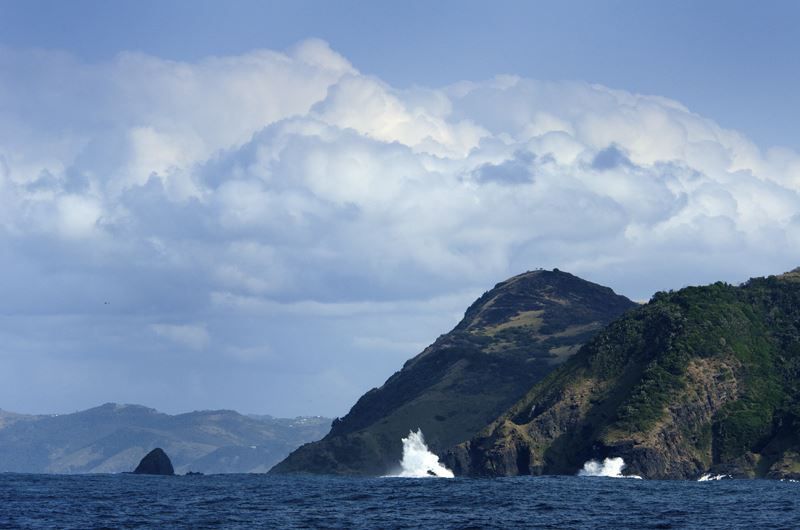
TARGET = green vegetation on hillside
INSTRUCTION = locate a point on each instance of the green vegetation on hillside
(698, 379)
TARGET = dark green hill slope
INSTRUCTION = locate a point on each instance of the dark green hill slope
(509, 339)
(705, 379)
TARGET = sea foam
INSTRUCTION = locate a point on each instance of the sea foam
(418, 461)
(709, 476)
(610, 467)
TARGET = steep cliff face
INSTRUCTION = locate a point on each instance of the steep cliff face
(509, 339)
(702, 380)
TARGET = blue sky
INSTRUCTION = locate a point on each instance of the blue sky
(279, 203)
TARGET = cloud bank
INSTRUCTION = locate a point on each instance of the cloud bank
(279, 227)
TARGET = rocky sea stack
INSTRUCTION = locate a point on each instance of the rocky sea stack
(156, 462)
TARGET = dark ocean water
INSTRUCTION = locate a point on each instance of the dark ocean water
(246, 501)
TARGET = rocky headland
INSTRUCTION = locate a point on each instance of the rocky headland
(509, 339)
(704, 380)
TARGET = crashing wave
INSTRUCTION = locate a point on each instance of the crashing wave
(709, 476)
(418, 461)
(610, 467)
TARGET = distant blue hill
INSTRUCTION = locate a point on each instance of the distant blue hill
(113, 438)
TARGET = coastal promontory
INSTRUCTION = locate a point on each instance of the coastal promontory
(509, 339)
(704, 380)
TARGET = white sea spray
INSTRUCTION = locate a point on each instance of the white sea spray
(708, 476)
(610, 467)
(418, 461)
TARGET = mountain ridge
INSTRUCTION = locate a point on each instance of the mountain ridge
(113, 437)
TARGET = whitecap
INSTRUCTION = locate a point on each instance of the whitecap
(709, 476)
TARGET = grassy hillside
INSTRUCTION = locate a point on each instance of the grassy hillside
(698, 380)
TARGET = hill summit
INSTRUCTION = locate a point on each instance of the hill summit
(509, 339)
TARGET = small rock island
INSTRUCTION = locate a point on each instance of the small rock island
(156, 462)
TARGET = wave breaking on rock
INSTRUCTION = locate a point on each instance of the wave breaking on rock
(418, 461)
(708, 476)
(610, 467)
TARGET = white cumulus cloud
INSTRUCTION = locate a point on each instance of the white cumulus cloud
(252, 192)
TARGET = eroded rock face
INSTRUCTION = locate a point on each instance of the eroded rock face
(703, 380)
(156, 462)
(787, 466)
